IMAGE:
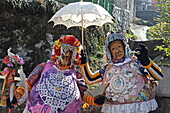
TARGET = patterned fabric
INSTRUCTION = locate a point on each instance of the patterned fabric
(56, 90)
(154, 71)
(127, 84)
(19, 92)
(35, 74)
(88, 99)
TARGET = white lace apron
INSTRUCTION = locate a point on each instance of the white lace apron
(58, 88)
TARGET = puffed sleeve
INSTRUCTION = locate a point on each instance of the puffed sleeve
(89, 76)
(35, 75)
(154, 71)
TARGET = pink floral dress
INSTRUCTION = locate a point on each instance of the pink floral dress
(53, 90)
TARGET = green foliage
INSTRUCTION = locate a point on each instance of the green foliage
(167, 50)
(67, 1)
(94, 44)
(131, 36)
(95, 36)
(32, 6)
(161, 31)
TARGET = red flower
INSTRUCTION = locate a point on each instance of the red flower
(16, 58)
(53, 57)
(71, 40)
(61, 40)
(57, 52)
(5, 60)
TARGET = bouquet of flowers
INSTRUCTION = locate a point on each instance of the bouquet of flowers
(12, 60)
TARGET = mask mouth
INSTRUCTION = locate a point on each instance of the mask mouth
(118, 55)
(117, 59)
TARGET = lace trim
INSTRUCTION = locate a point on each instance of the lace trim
(58, 94)
(141, 107)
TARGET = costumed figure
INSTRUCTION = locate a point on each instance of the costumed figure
(56, 86)
(14, 66)
(132, 78)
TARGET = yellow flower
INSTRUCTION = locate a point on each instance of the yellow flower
(78, 49)
(57, 43)
(85, 105)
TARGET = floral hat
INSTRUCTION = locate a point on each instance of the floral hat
(65, 43)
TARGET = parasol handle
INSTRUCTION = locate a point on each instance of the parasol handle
(82, 33)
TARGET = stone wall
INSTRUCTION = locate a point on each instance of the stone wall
(122, 17)
(27, 31)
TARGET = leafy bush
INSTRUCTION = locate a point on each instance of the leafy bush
(161, 31)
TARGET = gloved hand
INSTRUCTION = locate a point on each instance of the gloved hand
(99, 100)
(143, 55)
(84, 58)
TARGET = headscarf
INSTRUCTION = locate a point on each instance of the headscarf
(112, 37)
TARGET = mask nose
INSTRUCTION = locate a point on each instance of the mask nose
(117, 50)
